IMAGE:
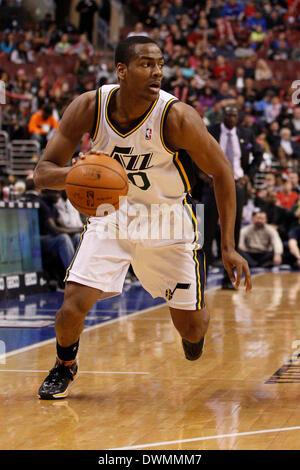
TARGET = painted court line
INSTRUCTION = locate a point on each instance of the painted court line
(100, 325)
(81, 372)
(206, 438)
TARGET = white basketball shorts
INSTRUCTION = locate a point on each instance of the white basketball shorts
(171, 269)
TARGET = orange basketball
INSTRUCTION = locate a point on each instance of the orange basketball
(94, 181)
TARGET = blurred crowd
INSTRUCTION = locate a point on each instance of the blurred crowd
(218, 53)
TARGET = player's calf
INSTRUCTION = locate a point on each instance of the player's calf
(192, 327)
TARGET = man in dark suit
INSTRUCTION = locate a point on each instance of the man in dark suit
(86, 10)
(238, 144)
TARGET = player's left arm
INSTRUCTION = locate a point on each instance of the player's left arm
(186, 130)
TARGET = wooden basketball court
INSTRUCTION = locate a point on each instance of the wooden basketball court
(137, 391)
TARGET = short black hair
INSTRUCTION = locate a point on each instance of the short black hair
(47, 109)
(125, 49)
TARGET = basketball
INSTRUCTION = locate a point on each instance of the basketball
(97, 180)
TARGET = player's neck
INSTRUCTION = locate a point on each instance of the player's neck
(128, 107)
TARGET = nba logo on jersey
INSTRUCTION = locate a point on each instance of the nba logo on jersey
(148, 134)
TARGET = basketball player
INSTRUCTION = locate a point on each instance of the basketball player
(135, 121)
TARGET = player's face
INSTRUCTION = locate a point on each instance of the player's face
(145, 71)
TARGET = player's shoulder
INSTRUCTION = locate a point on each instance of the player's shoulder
(181, 113)
(86, 99)
(79, 115)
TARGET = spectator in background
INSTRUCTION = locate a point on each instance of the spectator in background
(150, 16)
(273, 136)
(237, 143)
(38, 80)
(257, 20)
(87, 10)
(262, 71)
(287, 197)
(266, 163)
(19, 188)
(50, 39)
(215, 12)
(225, 94)
(279, 217)
(250, 9)
(165, 16)
(222, 70)
(280, 49)
(287, 149)
(63, 46)
(178, 9)
(83, 46)
(295, 54)
(69, 217)
(138, 30)
(250, 92)
(294, 179)
(56, 239)
(274, 22)
(20, 55)
(46, 22)
(233, 10)
(31, 194)
(273, 110)
(256, 38)
(214, 115)
(205, 68)
(207, 98)
(269, 182)
(249, 68)
(294, 123)
(41, 125)
(14, 122)
(224, 31)
(238, 80)
(260, 243)
(179, 85)
(8, 43)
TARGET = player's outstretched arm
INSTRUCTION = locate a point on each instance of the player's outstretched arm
(186, 130)
(77, 120)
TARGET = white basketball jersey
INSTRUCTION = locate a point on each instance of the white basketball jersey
(157, 173)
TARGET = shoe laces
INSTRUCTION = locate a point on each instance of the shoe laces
(58, 371)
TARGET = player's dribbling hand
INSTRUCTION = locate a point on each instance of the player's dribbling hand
(82, 156)
(232, 260)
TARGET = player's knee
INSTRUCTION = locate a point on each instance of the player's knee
(74, 309)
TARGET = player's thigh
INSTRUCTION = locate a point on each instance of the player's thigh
(175, 272)
(101, 260)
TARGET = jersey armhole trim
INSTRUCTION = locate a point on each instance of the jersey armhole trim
(182, 172)
(168, 106)
(94, 132)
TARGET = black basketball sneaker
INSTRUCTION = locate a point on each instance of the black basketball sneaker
(192, 351)
(55, 385)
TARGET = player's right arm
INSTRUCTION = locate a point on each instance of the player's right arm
(78, 119)
(186, 130)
